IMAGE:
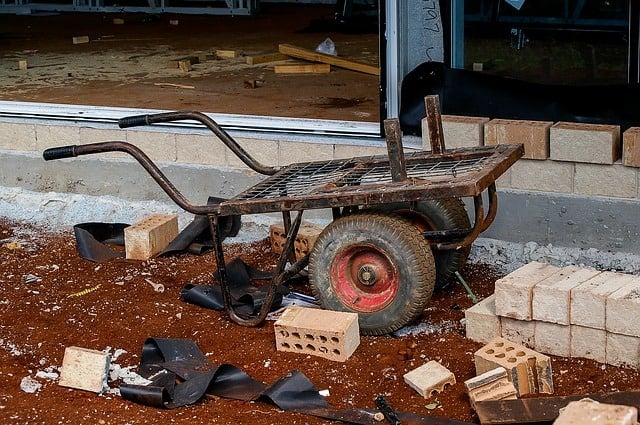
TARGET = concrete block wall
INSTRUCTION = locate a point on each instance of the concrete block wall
(570, 312)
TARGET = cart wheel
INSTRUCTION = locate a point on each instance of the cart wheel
(437, 214)
(375, 265)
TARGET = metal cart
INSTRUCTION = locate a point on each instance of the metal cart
(399, 225)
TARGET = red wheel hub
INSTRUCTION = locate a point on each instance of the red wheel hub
(364, 278)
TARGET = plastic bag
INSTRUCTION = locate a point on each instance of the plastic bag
(327, 47)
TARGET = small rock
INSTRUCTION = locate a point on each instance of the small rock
(30, 385)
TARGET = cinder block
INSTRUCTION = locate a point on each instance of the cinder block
(342, 151)
(589, 343)
(592, 412)
(334, 335)
(529, 371)
(554, 339)
(481, 322)
(19, 137)
(605, 180)
(623, 350)
(521, 332)
(429, 379)
(546, 176)
(159, 146)
(458, 131)
(80, 39)
(631, 147)
(305, 239)
(591, 143)
(623, 309)
(85, 369)
(150, 236)
(588, 300)
(514, 291)
(491, 385)
(263, 151)
(200, 149)
(534, 135)
(294, 152)
(552, 296)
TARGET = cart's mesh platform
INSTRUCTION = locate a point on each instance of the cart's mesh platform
(365, 179)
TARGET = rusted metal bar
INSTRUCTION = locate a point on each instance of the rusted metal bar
(434, 122)
(397, 163)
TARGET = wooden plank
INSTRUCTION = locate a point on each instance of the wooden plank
(543, 409)
(266, 58)
(300, 53)
(227, 54)
(302, 68)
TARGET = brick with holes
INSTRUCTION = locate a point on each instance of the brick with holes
(430, 378)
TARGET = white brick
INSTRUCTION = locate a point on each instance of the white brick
(521, 332)
(588, 300)
(623, 309)
(458, 131)
(553, 339)
(429, 379)
(84, 369)
(605, 180)
(623, 350)
(333, 335)
(552, 296)
(588, 343)
(587, 411)
(546, 176)
(590, 143)
(491, 385)
(514, 291)
(19, 137)
(481, 322)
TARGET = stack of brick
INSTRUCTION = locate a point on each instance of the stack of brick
(569, 312)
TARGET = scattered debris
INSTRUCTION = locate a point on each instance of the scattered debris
(85, 291)
(301, 53)
(158, 287)
(491, 385)
(30, 385)
(179, 86)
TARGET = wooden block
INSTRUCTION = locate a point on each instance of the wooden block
(529, 371)
(266, 58)
(305, 239)
(22, 64)
(173, 22)
(312, 68)
(310, 55)
(491, 385)
(429, 379)
(80, 39)
(588, 411)
(185, 65)
(227, 54)
(84, 369)
(118, 21)
(150, 236)
(333, 335)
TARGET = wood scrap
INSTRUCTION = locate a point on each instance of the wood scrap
(266, 58)
(303, 68)
(227, 54)
(543, 410)
(301, 53)
(175, 63)
(179, 86)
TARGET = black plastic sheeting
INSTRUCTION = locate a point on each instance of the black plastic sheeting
(470, 93)
(181, 375)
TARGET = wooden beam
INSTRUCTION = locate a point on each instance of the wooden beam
(303, 68)
(300, 53)
(266, 58)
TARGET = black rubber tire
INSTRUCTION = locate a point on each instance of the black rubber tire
(373, 242)
(437, 214)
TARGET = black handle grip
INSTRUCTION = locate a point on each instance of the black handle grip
(59, 152)
(133, 121)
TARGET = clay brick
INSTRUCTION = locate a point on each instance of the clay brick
(588, 343)
(521, 332)
(150, 236)
(306, 238)
(529, 371)
(552, 296)
(554, 339)
(84, 369)
(623, 309)
(458, 131)
(591, 143)
(631, 147)
(592, 412)
(534, 135)
(333, 335)
(623, 350)
(429, 379)
(514, 291)
(491, 385)
(588, 300)
(481, 322)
